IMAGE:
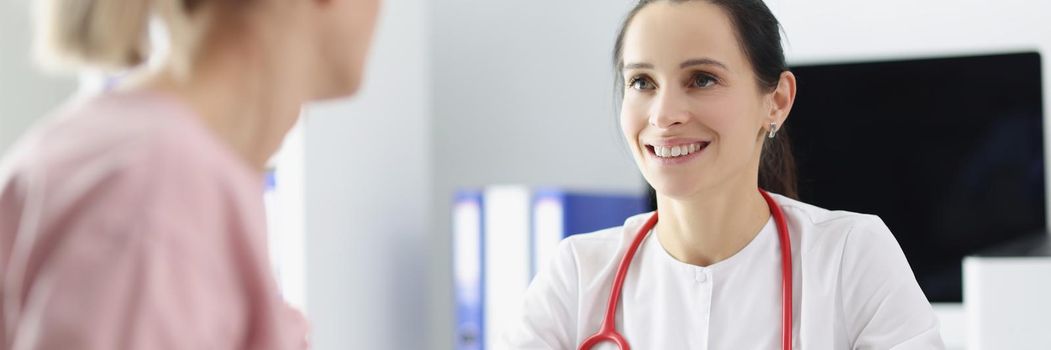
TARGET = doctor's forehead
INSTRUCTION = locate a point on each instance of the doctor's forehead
(665, 34)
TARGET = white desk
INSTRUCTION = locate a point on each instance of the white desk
(1007, 297)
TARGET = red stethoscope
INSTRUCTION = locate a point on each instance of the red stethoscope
(608, 331)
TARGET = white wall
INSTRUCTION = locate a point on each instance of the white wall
(367, 178)
(25, 94)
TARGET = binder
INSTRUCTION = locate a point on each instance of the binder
(507, 257)
(503, 235)
(558, 214)
(468, 270)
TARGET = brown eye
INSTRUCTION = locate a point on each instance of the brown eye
(701, 80)
(640, 83)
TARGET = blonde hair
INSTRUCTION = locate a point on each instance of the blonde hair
(111, 34)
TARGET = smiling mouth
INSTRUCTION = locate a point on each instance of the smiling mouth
(677, 151)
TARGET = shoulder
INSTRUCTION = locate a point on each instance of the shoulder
(818, 226)
(821, 218)
(109, 133)
(860, 246)
(117, 157)
(857, 256)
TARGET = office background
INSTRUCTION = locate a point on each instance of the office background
(463, 93)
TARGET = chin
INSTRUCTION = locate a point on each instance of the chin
(351, 87)
(676, 188)
(350, 78)
(339, 88)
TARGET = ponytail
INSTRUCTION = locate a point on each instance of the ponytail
(777, 166)
(104, 34)
(114, 34)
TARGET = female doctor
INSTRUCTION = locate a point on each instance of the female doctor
(705, 93)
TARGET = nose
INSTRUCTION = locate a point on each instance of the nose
(670, 109)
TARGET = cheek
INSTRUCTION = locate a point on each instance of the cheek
(356, 39)
(734, 121)
(346, 36)
(633, 119)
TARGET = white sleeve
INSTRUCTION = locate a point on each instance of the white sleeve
(884, 307)
(549, 310)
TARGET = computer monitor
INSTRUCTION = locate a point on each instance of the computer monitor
(949, 152)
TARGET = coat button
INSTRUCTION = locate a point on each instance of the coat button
(700, 276)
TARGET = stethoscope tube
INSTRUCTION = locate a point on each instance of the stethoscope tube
(608, 331)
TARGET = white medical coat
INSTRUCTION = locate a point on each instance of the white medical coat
(853, 289)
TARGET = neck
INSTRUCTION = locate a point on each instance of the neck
(246, 89)
(713, 226)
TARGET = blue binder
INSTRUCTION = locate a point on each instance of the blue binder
(502, 235)
(558, 214)
(468, 270)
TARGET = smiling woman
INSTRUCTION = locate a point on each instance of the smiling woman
(759, 58)
(704, 92)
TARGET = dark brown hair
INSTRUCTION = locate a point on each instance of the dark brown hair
(758, 33)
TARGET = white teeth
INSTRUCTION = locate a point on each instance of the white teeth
(676, 151)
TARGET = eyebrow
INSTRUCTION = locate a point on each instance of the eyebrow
(685, 64)
(703, 62)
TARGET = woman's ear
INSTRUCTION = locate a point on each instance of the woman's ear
(782, 98)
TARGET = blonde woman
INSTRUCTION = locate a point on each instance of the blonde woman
(134, 219)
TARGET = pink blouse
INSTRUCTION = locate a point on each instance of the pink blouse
(126, 224)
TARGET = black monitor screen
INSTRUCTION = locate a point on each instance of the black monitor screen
(947, 151)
